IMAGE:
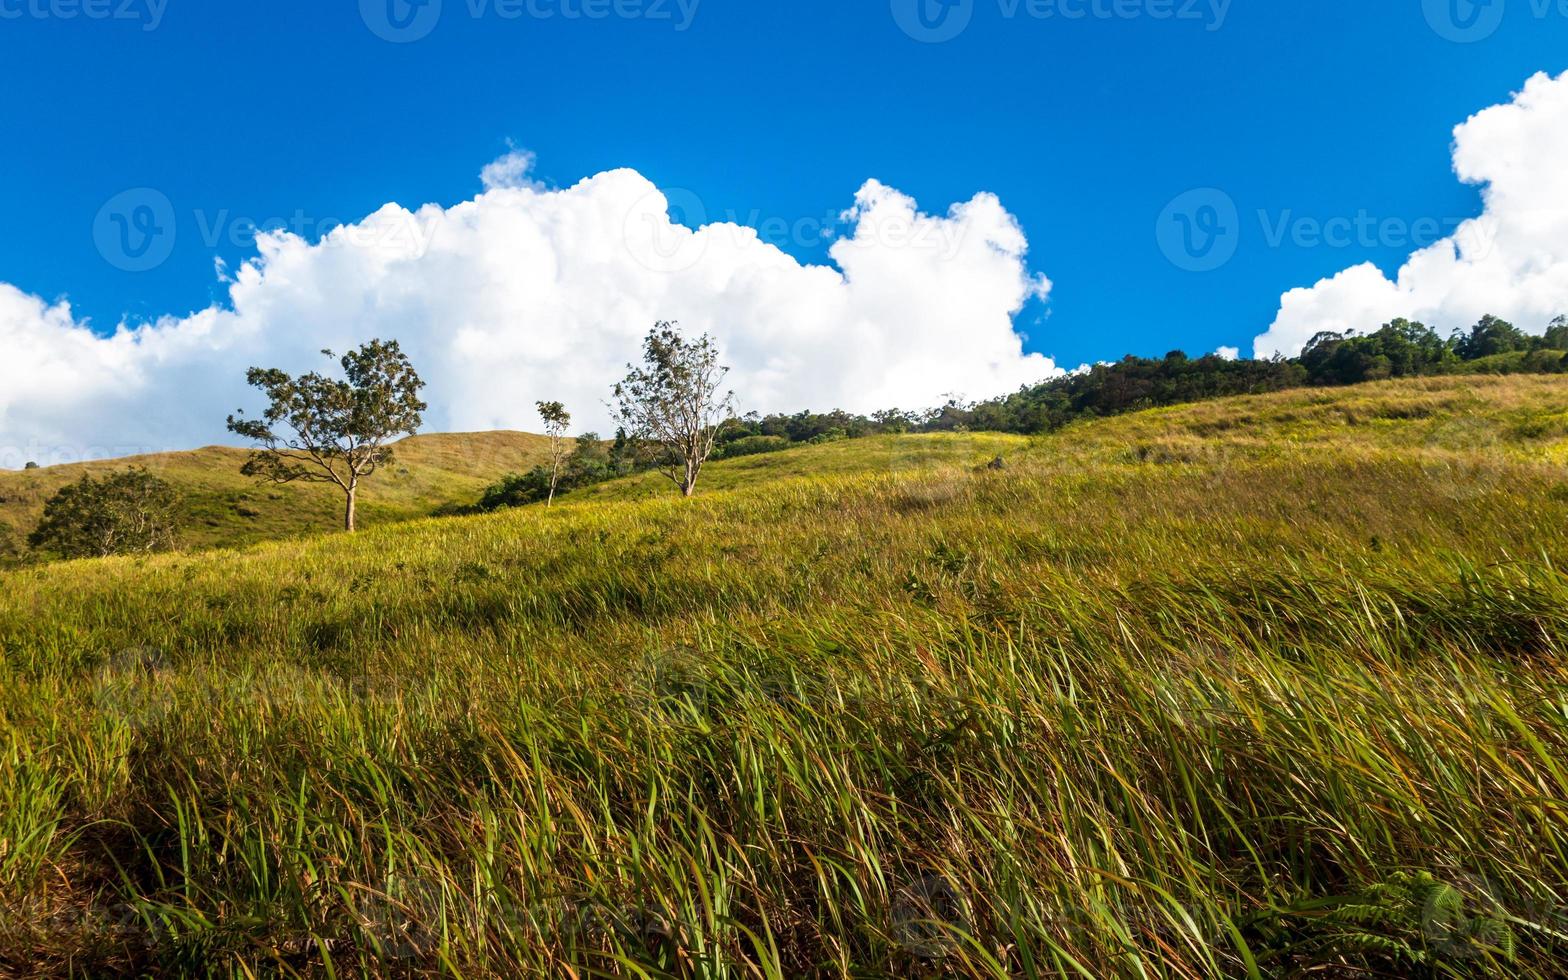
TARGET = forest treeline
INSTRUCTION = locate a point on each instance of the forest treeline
(1401, 348)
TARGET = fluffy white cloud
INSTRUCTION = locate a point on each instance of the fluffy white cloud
(1512, 260)
(510, 170)
(525, 293)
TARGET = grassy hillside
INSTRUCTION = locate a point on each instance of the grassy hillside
(223, 508)
(1270, 686)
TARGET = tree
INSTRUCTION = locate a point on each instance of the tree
(1397, 349)
(131, 512)
(1556, 337)
(556, 419)
(1412, 347)
(1491, 336)
(325, 430)
(672, 402)
(591, 461)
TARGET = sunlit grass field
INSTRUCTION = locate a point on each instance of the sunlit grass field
(1265, 687)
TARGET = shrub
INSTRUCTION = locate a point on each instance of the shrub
(131, 512)
(753, 446)
(516, 490)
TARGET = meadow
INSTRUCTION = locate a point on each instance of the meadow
(220, 508)
(1268, 686)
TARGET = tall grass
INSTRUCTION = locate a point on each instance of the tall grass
(1268, 687)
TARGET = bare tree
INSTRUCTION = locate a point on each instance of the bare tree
(335, 431)
(672, 402)
(556, 420)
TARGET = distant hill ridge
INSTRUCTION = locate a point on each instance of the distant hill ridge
(224, 508)
(1519, 417)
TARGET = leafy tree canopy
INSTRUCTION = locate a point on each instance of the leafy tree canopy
(127, 513)
(671, 403)
(333, 430)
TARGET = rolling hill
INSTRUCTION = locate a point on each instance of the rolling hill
(1267, 686)
(224, 509)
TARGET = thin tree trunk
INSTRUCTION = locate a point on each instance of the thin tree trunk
(348, 510)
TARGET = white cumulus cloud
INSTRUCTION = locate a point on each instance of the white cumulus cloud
(525, 293)
(510, 170)
(1511, 261)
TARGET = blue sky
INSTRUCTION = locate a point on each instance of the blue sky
(1085, 127)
